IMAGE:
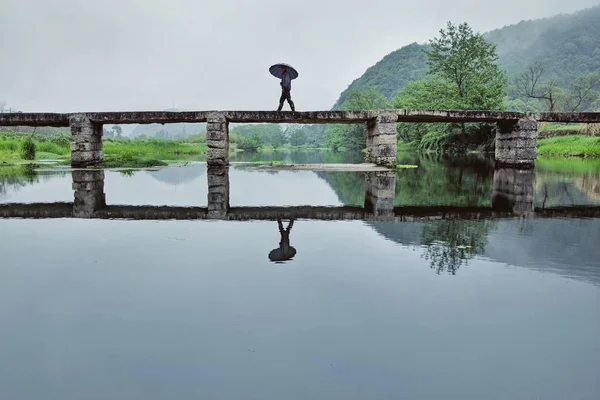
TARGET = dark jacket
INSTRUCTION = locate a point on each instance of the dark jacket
(286, 81)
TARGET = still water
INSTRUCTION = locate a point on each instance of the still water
(490, 308)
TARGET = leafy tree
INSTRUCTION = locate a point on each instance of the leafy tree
(467, 64)
(463, 74)
(272, 135)
(251, 142)
(296, 135)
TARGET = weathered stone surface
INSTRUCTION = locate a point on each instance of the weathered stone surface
(87, 175)
(85, 139)
(96, 185)
(216, 126)
(89, 193)
(218, 191)
(351, 116)
(86, 157)
(89, 146)
(514, 190)
(516, 153)
(384, 150)
(216, 136)
(516, 143)
(374, 130)
(217, 141)
(214, 116)
(214, 153)
(388, 162)
(516, 135)
(401, 214)
(386, 140)
(81, 125)
(217, 144)
(380, 192)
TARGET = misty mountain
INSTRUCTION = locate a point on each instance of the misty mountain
(567, 44)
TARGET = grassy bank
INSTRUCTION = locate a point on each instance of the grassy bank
(117, 153)
(570, 146)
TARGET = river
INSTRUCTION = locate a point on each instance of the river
(461, 308)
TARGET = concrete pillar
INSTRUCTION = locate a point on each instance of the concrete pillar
(218, 192)
(89, 192)
(380, 193)
(217, 139)
(86, 141)
(382, 140)
(516, 143)
(514, 191)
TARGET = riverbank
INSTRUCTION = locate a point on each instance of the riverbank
(570, 146)
(118, 153)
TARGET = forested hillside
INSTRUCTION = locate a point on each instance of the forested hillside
(567, 45)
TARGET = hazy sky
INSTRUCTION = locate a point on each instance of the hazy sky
(102, 55)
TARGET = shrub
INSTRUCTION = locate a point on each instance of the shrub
(28, 149)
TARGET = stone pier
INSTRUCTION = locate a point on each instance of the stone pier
(218, 191)
(86, 141)
(217, 140)
(382, 140)
(380, 192)
(514, 190)
(516, 143)
(89, 192)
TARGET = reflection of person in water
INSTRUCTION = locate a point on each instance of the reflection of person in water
(285, 251)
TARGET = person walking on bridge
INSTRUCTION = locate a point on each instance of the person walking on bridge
(286, 73)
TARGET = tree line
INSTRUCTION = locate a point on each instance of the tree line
(463, 73)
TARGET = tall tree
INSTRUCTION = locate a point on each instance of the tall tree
(468, 62)
(531, 85)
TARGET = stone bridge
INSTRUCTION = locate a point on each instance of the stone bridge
(513, 196)
(516, 133)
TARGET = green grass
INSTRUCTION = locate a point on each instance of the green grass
(552, 126)
(406, 166)
(570, 146)
(568, 166)
(154, 147)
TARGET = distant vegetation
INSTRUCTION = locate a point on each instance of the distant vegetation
(254, 137)
(544, 65)
(568, 46)
(19, 147)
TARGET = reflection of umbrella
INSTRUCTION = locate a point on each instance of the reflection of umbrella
(277, 70)
(282, 254)
(285, 251)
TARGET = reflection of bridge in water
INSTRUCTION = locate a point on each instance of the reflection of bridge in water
(513, 196)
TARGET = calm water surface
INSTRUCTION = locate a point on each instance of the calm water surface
(460, 309)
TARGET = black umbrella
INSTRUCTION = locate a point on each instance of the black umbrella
(277, 70)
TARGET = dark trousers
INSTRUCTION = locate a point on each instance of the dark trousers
(285, 95)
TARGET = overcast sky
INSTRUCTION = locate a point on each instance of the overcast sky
(104, 55)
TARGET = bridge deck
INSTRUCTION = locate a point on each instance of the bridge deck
(303, 117)
(400, 214)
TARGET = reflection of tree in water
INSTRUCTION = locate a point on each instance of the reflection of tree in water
(127, 172)
(450, 244)
(17, 177)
